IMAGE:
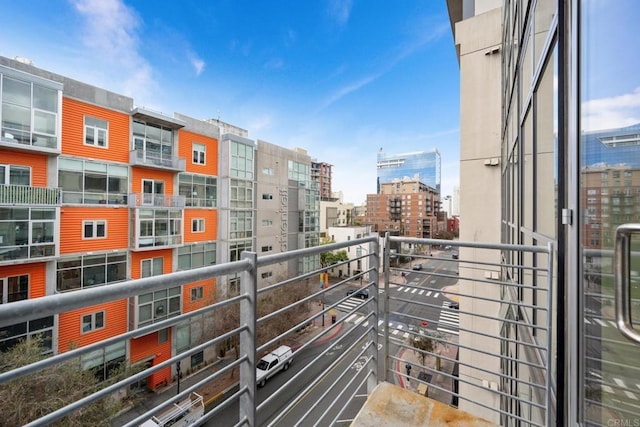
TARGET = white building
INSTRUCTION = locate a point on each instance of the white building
(358, 260)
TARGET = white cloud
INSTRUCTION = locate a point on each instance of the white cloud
(197, 63)
(340, 10)
(613, 112)
(346, 90)
(110, 32)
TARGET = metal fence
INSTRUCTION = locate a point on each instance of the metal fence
(482, 344)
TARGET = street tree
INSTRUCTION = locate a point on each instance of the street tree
(330, 258)
(32, 396)
(428, 344)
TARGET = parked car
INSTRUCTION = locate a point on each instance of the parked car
(416, 266)
(272, 363)
(358, 293)
(454, 256)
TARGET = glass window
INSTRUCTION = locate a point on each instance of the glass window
(92, 322)
(95, 131)
(29, 113)
(95, 229)
(15, 175)
(14, 288)
(196, 255)
(199, 154)
(75, 273)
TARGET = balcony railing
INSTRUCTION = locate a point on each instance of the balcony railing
(28, 195)
(475, 333)
(143, 200)
(157, 160)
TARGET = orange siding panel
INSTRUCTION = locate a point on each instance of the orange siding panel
(72, 231)
(186, 140)
(209, 295)
(210, 225)
(37, 163)
(148, 347)
(137, 257)
(73, 113)
(70, 325)
(138, 174)
(36, 274)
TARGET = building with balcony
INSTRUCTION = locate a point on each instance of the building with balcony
(94, 191)
(407, 207)
(321, 173)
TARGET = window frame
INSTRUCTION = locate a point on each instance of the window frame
(96, 130)
(5, 287)
(197, 293)
(95, 227)
(93, 322)
(197, 225)
(198, 153)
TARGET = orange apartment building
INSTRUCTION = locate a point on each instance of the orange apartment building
(94, 191)
(404, 207)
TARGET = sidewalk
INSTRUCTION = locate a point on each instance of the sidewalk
(218, 388)
(438, 378)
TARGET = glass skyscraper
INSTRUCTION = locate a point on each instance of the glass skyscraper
(422, 165)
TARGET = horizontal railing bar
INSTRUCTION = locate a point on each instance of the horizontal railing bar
(143, 417)
(35, 308)
(475, 402)
(487, 371)
(316, 381)
(360, 384)
(77, 352)
(330, 388)
(467, 244)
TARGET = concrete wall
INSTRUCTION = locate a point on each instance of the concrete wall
(480, 193)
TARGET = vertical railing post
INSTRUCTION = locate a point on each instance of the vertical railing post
(385, 300)
(249, 289)
(374, 267)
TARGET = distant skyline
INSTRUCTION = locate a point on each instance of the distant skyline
(340, 79)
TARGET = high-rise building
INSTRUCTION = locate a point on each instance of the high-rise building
(546, 155)
(321, 173)
(423, 166)
(94, 191)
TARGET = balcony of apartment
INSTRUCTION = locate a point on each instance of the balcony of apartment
(157, 160)
(400, 346)
(13, 195)
(20, 140)
(156, 201)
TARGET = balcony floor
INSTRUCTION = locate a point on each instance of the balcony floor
(390, 405)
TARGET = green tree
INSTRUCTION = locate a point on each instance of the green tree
(428, 344)
(330, 258)
(52, 388)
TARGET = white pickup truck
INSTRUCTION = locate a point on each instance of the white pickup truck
(279, 359)
(180, 414)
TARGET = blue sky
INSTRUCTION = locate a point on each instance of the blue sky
(341, 79)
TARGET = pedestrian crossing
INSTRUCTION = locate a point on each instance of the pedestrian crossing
(350, 304)
(605, 323)
(353, 302)
(449, 321)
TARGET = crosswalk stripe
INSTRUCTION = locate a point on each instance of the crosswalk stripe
(436, 295)
(350, 318)
(429, 293)
(407, 290)
(400, 288)
(607, 388)
(586, 321)
(631, 395)
(421, 292)
(413, 291)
